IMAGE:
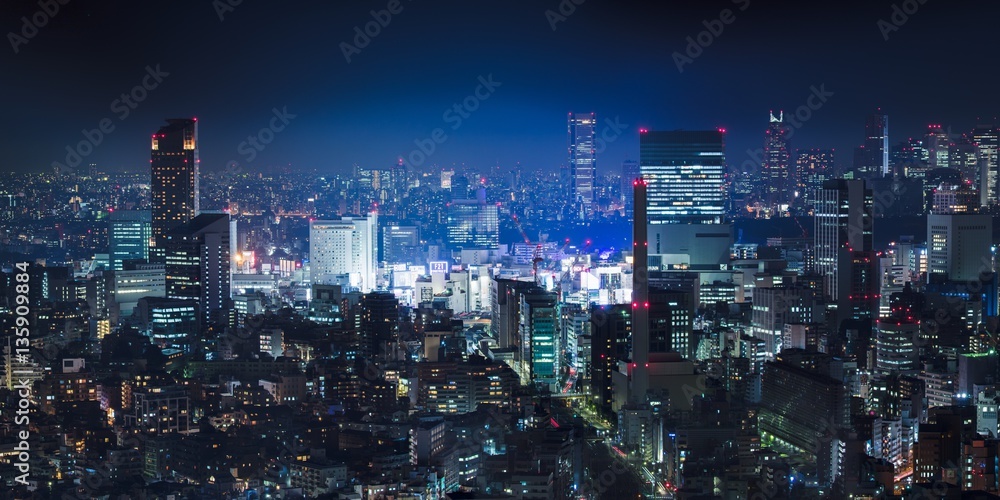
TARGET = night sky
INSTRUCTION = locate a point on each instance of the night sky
(610, 57)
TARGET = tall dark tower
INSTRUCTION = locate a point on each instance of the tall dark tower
(777, 177)
(174, 179)
(640, 294)
(876, 150)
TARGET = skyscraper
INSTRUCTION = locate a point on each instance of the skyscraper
(958, 246)
(344, 251)
(582, 158)
(630, 172)
(815, 166)
(685, 173)
(128, 237)
(987, 138)
(876, 148)
(473, 224)
(843, 223)
(777, 182)
(173, 178)
(197, 264)
(938, 144)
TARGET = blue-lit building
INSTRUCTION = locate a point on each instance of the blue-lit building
(128, 236)
(582, 157)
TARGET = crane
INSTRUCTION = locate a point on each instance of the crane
(536, 254)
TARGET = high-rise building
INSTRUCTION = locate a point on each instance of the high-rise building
(959, 246)
(896, 345)
(815, 166)
(630, 172)
(344, 251)
(843, 222)
(938, 145)
(540, 351)
(128, 237)
(379, 324)
(198, 266)
(876, 147)
(611, 328)
(473, 224)
(401, 244)
(173, 179)
(987, 140)
(582, 157)
(908, 155)
(685, 172)
(777, 180)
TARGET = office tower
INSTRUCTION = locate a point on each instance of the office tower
(777, 180)
(896, 344)
(133, 282)
(630, 172)
(505, 310)
(815, 166)
(460, 387)
(858, 294)
(401, 245)
(685, 173)
(963, 155)
(344, 251)
(198, 264)
(959, 246)
(379, 324)
(775, 307)
(843, 222)
(128, 237)
(938, 144)
(582, 158)
(952, 199)
(876, 147)
(611, 330)
(907, 155)
(446, 176)
(473, 224)
(987, 139)
(540, 353)
(169, 323)
(173, 178)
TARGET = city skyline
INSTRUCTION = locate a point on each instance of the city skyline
(372, 254)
